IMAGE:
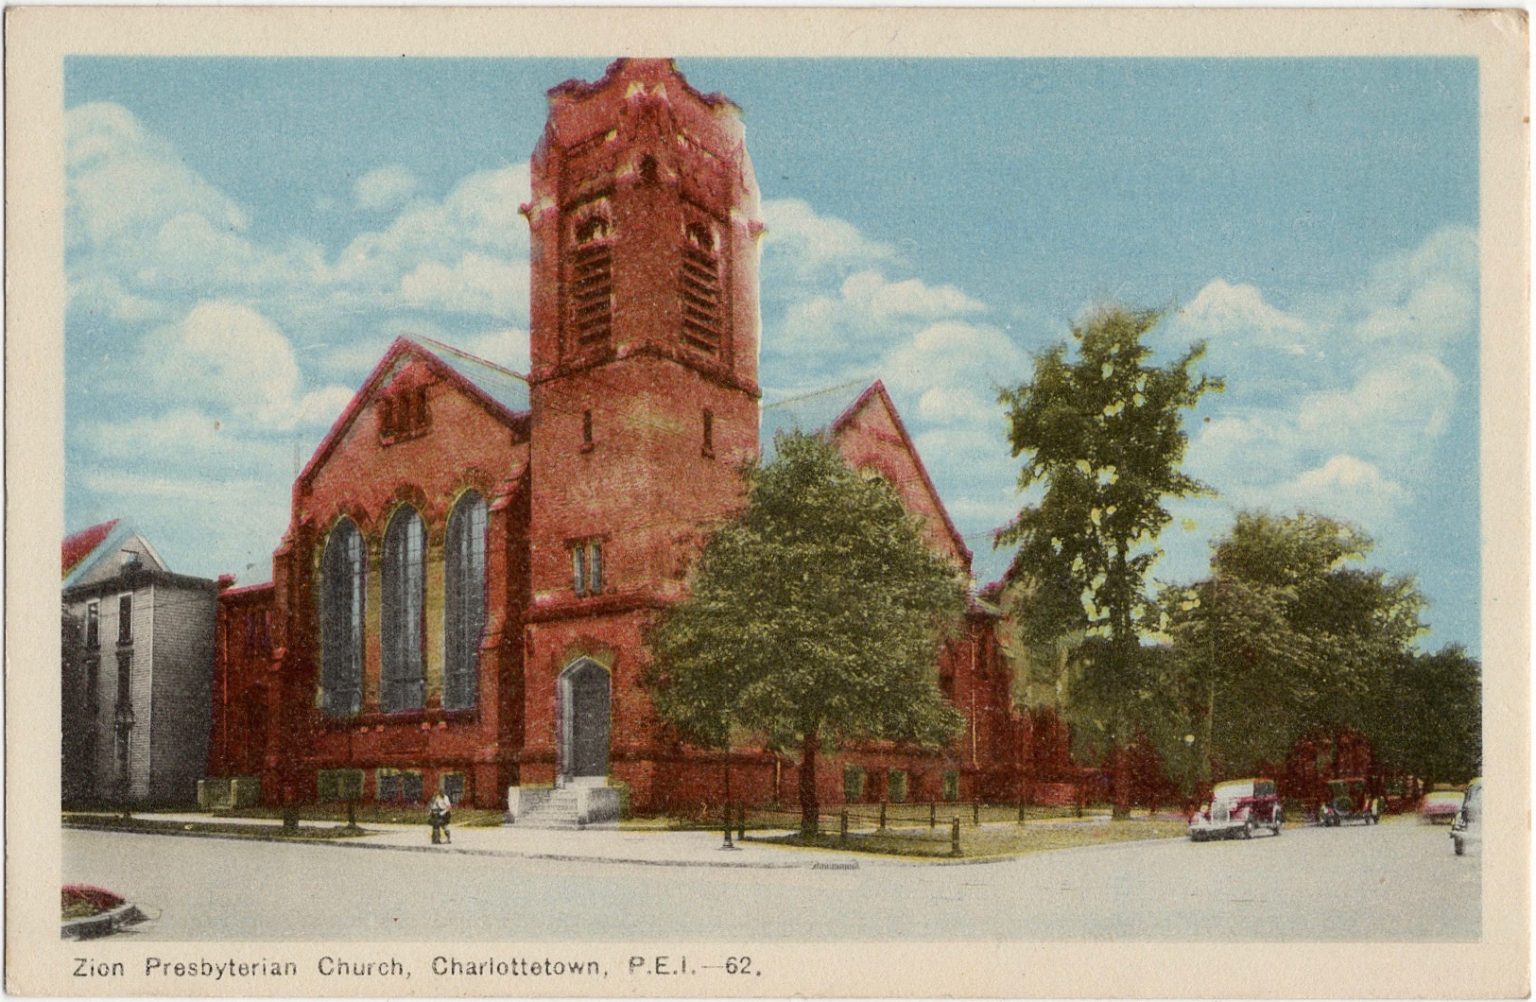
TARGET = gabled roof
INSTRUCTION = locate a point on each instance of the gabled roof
(79, 546)
(503, 393)
(823, 411)
(92, 547)
(811, 413)
(505, 387)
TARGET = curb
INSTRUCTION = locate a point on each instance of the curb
(561, 857)
(108, 922)
(357, 843)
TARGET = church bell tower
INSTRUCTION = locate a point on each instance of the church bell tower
(644, 224)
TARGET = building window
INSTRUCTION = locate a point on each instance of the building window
(404, 675)
(453, 787)
(399, 786)
(587, 567)
(341, 621)
(124, 680)
(586, 430)
(709, 433)
(951, 785)
(853, 784)
(125, 619)
(402, 413)
(465, 611)
(339, 785)
(896, 786)
(93, 626)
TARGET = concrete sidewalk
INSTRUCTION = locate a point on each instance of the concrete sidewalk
(589, 845)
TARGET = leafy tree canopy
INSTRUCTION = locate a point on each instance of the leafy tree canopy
(1430, 716)
(1103, 435)
(816, 615)
(1289, 637)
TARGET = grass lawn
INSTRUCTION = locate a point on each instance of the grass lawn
(862, 815)
(988, 841)
(151, 826)
(379, 814)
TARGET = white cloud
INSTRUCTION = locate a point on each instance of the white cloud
(208, 493)
(1391, 411)
(103, 295)
(384, 188)
(1354, 435)
(480, 215)
(1439, 310)
(122, 181)
(320, 408)
(1345, 487)
(474, 284)
(812, 245)
(1222, 308)
(228, 356)
(955, 361)
(1448, 254)
(867, 311)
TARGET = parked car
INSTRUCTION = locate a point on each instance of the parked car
(1467, 829)
(1237, 807)
(1349, 800)
(1440, 806)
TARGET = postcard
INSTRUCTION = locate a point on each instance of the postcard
(707, 502)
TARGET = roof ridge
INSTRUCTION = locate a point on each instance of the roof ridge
(471, 356)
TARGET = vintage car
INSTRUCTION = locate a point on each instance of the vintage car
(1349, 800)
(1440, 806)
(1237, 807)
(1467, 829)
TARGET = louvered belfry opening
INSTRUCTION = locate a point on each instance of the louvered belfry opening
(591, 277)
(699, 287)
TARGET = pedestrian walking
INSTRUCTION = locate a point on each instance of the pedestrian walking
(439, 813)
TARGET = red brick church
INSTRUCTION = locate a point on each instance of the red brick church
(474, 555)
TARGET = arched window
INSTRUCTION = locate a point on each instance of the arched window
(404, 677)
(465, 611)
(341, 621)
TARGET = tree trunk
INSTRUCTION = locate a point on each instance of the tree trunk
(1121, 784)
(1124, 644)
(810, 808)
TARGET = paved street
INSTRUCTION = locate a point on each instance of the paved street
(1395, 882)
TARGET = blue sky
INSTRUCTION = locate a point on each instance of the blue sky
(245, 236)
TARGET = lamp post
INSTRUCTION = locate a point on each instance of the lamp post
(726, 759)
(122, 722)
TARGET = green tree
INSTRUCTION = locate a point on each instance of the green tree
(1289, 638)
(1430, 717)
(814, 618)
(1103, 435)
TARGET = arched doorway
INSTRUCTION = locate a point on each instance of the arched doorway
(584, 723)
